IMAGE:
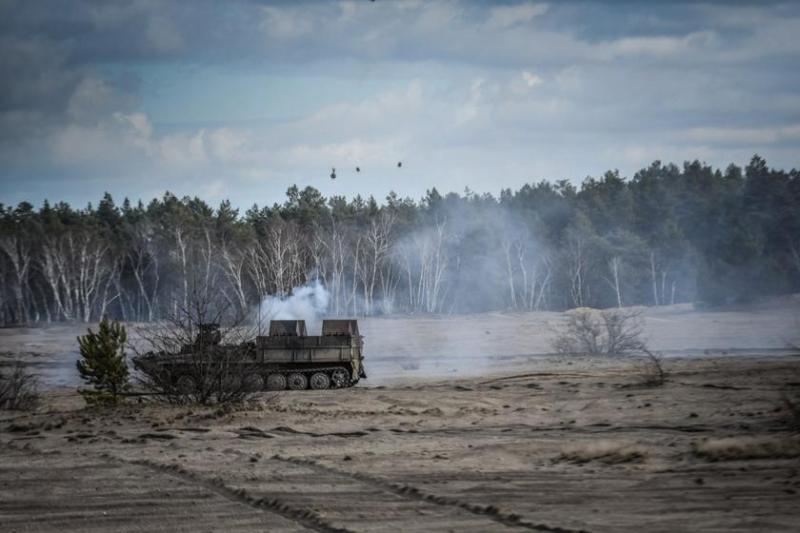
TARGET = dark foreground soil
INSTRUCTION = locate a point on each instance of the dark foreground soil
(556, 446)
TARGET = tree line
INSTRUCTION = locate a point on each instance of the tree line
(667, 235)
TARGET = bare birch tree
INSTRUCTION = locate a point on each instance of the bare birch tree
(18, 251)
(143, 259)
(77, 266)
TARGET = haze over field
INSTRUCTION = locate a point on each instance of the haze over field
(407, 349)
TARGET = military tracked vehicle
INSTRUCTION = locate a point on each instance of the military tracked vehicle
(287, 358)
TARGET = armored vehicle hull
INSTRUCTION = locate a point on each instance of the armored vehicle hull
(287, 358)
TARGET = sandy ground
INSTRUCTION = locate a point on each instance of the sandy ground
(500, 438)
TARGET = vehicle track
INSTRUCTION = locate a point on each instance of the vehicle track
(413, 493)
(304, 517)
(111, 493)
(587, 429)
(310, 519)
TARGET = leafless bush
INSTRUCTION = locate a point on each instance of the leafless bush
(623, 331)
(652, 369)
(606, 332)
(582, 333)
(609, 332)
(202, 353)
(18, 389)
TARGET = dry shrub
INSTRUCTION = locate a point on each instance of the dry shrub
(605, 451)
(600, 332)
(609, 332)
(736, 448)
(652, 369)
(203, 352)
(218, 374)
(18, 389)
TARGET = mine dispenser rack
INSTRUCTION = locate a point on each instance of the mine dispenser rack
(331, 328)
(287, 328)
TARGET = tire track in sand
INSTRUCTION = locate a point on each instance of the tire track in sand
(413, 493)
(304, 517)
(33, 506)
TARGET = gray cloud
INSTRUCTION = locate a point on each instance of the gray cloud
(472, 94)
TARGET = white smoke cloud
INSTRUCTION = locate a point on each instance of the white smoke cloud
(308, 302)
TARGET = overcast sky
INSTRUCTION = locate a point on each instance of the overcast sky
(241, 99)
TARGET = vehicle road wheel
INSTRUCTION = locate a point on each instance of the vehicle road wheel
(320, 381)
(230, 383)
(276, 382)
(340, 378)
(186, 384)
(254, 383)
(298, 381)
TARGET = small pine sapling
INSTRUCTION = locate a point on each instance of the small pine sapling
(103, 364)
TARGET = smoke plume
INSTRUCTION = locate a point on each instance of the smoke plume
(308, 302)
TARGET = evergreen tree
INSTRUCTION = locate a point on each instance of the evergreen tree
(671, 234)
(103, 364)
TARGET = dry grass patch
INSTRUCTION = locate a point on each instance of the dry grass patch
(605, 451)
(736, 448)
(18, 389)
